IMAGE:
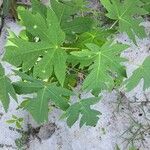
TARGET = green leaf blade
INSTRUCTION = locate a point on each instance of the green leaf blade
(45, 93)
(105, 59)
(6, 89)
(45, 55)
(140, 73)
(124, 13)
(89, 116)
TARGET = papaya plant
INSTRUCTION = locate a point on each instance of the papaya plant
(61, 41)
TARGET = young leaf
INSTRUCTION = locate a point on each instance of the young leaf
(38, 106)
(143, 72)
(6, 89)
(18, 125)
(89, 116)
(105, 59)
(124, 13)
(14, 117)
(52, 56)
(11, 121)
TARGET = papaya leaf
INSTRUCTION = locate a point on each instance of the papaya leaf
(104, 59)
(96, 36)
(65, 11)
(6, 89)
(77, 25)
(140, 73)
(124, 13)
(46, 55)
(45, 92)
(89, 116)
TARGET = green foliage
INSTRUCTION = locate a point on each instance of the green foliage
(95, 36)
(7, 89)
(22, 141)
(124, 13)
(141, 73)
(146, 5)
(61, 45)
(38, 105)
(83, 107)
(16, 120)
(70, 22)
(27, 53)
(103, 59)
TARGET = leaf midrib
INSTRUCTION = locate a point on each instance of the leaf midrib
(99, 65)
(125, 11)
(37, 50)
(42, 100)
(120, 17)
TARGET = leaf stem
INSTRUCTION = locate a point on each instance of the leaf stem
(69, 48)
(114, 24)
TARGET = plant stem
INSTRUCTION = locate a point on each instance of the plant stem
(114, 24)
(69, 48)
